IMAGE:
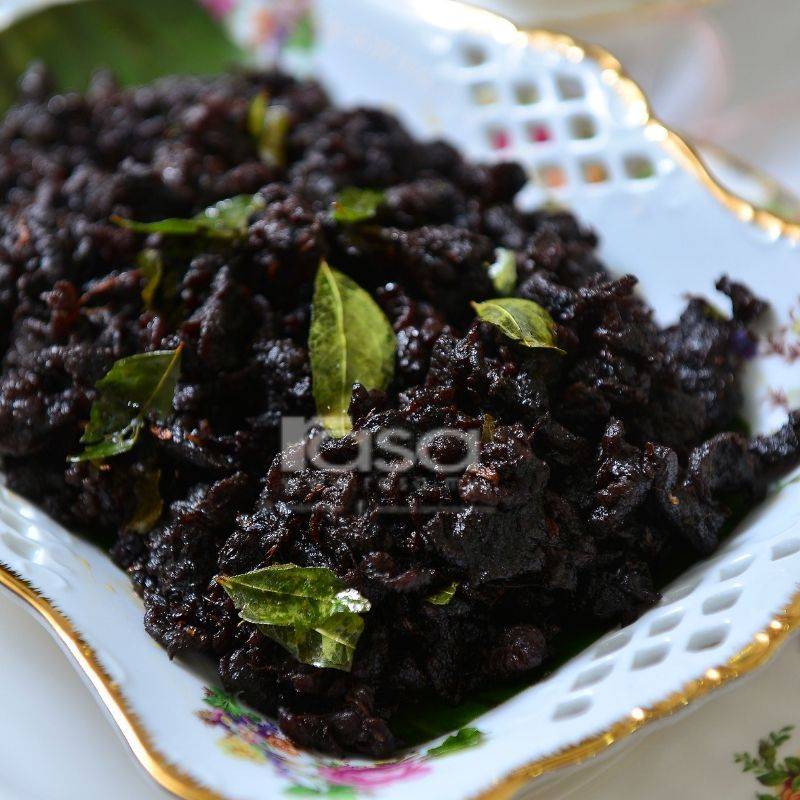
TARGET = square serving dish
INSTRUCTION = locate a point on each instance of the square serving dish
(587, 136)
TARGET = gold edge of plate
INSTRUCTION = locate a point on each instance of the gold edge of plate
(766, 642)
(170, 777)
(647, 11)
(685, 155)
(763, 646)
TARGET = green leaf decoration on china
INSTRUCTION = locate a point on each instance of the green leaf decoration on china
(216, 698)
(767, 769)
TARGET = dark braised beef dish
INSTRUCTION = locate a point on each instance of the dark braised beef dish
(186, 266)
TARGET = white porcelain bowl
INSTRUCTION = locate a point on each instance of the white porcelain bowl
(587, 136)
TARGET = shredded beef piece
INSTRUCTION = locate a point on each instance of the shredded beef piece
(594, 471)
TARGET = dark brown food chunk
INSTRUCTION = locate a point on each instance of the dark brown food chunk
(598, 470)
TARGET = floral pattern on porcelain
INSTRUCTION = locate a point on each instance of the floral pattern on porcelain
(249, 736)
(780, 777)
(271, 30)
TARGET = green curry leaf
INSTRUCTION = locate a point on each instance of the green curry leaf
(309, 611)
(522, 320)
(350, 341)
(488, 427)
(226, 219)
(503, 271)
(330, 644)
(356, 205)
(269, 125)
(151, 265)
(134, 387)
(149, 504)
(444, 596)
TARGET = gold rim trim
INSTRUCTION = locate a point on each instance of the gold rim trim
(170, 777)
(640, 111)
(763, 646)
(638, 13)
(760, 650)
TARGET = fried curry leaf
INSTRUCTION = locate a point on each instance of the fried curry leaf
(309, 611)
(488, 427)
(151, 265)
(463, 739)
(350, 341)
(162, 286)
(330, 644)
(503, 271)
(149, 503)
(356, 205)
(132, 389)
(444, 596)
(522, 320)
(226, 219)
(268, 125)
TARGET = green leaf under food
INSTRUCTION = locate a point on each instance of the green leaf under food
(420, 722)
(462, 740)
(226, 219)
(139, 41)
(149, 503)
(356, 205)
(503, 271)
(443, 597)
(309, 611)
(350, 341)
(132, 389)
(522, 320)
(269, 125)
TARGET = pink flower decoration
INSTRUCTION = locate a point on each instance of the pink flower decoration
(219, 8)
(372, 776)
(213, 717)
